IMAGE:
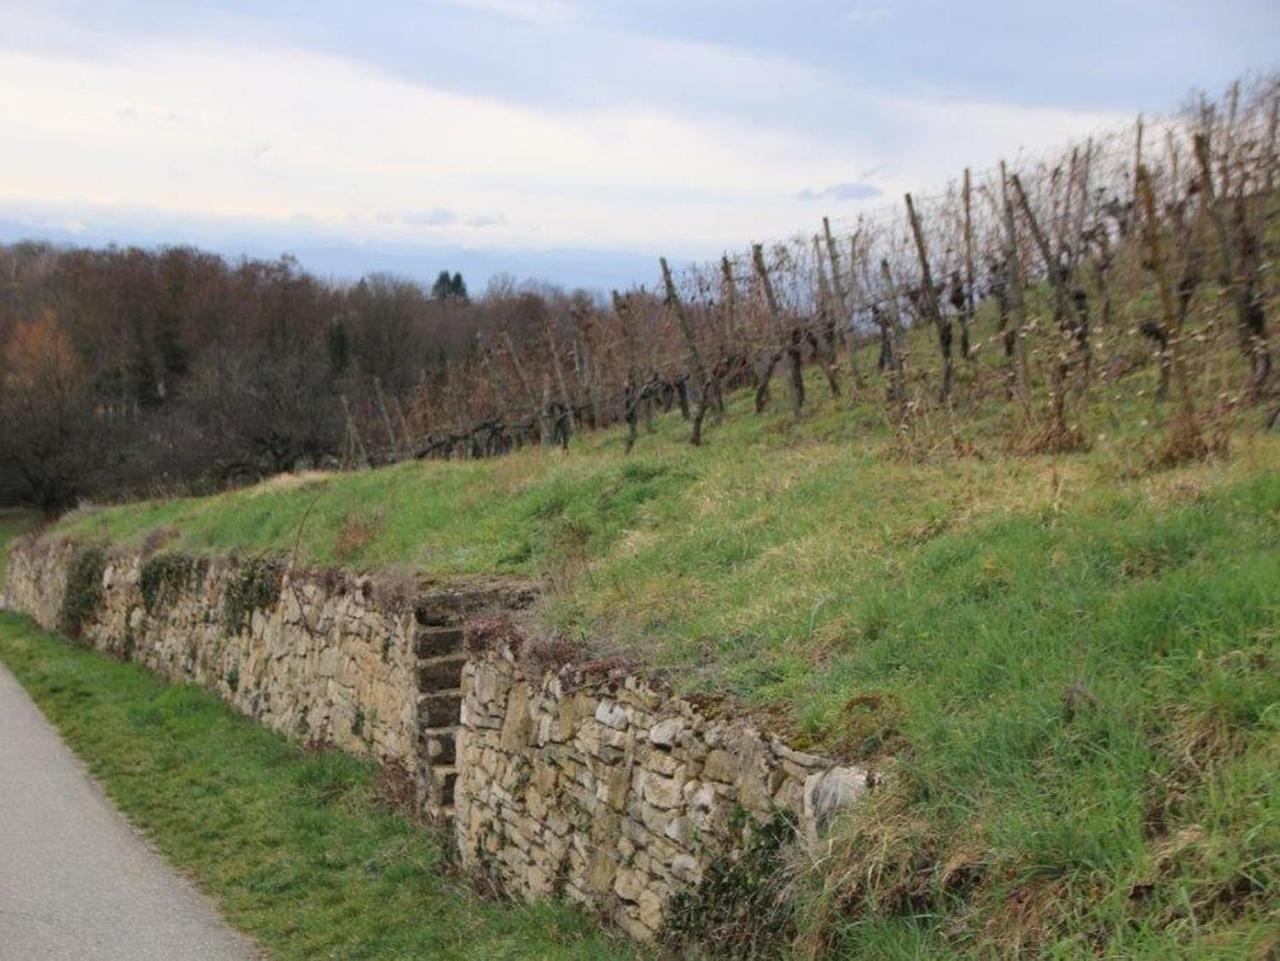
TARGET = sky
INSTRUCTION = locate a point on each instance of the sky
(568, 140)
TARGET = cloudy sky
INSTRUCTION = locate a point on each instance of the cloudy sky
(573, 139)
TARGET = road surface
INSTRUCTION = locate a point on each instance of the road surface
(77, 882)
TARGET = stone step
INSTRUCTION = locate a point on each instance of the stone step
(437, 611)
(440, 709)
(438, 641)
(440, 745)
(441, 673)
(446, 777)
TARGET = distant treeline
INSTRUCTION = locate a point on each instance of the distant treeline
(128, 372)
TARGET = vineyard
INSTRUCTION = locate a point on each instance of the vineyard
(1148, 243)
(1035, 286)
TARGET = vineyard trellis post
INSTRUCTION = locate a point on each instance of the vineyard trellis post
(844, 295)
(826, 349)
(966, 315)
(631, 389)
(553, 348)
(1186, 428)
(929, 295)
(785, 345)
(355, 448)
(1250, 318)
(701, 383)
(894, 337)
(1017, 297)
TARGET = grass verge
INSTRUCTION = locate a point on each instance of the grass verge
(295, 847)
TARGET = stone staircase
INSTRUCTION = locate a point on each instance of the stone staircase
(441, 655)
(440, 649)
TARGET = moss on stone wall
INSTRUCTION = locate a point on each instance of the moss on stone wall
(83, 594)
(164, 576)
(256, 586)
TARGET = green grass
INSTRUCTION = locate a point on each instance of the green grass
(294, 846)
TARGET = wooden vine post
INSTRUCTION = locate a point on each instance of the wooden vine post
(553, 348)
(897, 379)
(844, 293)
(1017, 300)
(522, 375)
(929, 295)
(1250, 319)
(966, 315)
(826, 350)
(1058, 276)
(786, 345)
(631, 389)
(1187, 436)
(701, 384)
(355, 450)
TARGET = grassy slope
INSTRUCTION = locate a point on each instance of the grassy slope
(12, 523)
(1073, 660)
(294, 846)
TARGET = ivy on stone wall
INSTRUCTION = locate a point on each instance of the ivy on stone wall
(164, 576)
(256, 586)
(83, 595)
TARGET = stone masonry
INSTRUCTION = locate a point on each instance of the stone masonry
(582, 782)
(332, 661)
(615, 794)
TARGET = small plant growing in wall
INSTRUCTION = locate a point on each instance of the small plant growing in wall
(255, 586)
(130, 641)
(742, 905)
(83, 595)
(162, 579)
(233, 679)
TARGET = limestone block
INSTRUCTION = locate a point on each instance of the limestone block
(660, 762)
(680, 830)
(539, 880)
(589, 738)
(651, 909)
(720, 765)
(826, 794)
(612, 715)
(630, 884)
(664, 733)
(517, 726)
(662, 792)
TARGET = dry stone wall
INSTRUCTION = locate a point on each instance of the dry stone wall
(609, 791)
(583, 782)
(323, 657)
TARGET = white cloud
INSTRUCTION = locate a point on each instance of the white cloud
(234, 132)
(344, 141)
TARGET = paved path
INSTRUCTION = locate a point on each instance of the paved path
(77, 882)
